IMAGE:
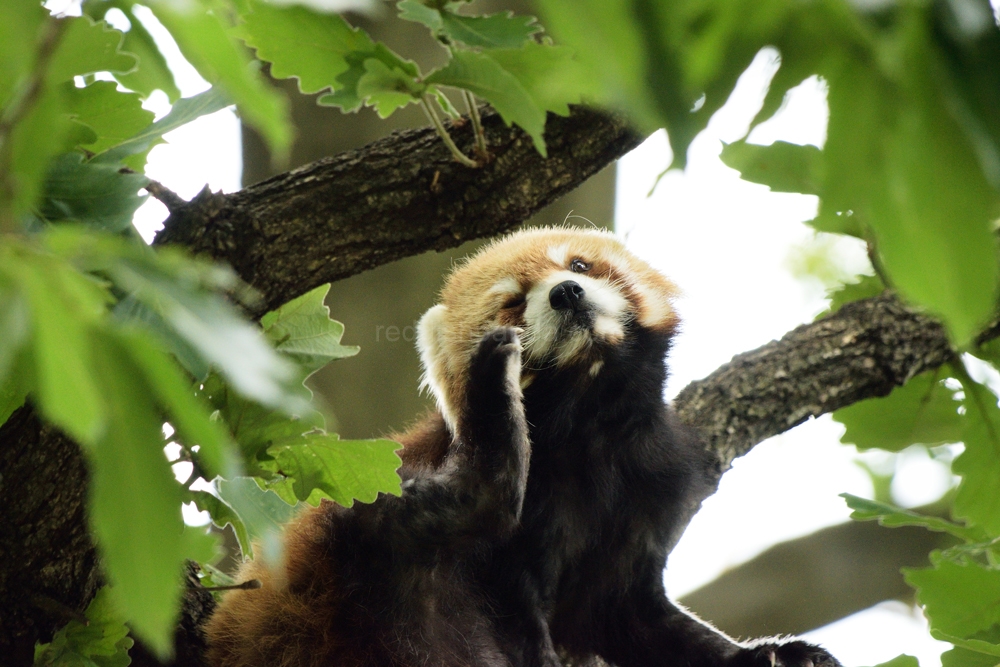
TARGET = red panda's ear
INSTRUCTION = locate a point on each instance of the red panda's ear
(431, 336)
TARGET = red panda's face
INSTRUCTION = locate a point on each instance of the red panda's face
(574, 293)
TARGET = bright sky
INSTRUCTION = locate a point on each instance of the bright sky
(730, 246)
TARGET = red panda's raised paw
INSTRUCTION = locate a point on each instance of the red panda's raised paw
(497, 357)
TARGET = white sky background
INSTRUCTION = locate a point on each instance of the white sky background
(728, 244)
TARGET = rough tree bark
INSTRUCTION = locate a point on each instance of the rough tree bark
(401, 196)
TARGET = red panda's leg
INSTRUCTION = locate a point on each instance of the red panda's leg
(476, 494)
(653, 631)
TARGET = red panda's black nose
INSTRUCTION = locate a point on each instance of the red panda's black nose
(566, 295)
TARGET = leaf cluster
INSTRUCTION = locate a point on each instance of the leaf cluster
(497, 58)
(960, 592)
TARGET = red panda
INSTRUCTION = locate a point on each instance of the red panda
(539, 501)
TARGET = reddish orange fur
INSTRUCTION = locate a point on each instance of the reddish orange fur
(293, 615)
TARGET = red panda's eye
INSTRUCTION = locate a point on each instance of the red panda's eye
(514, 301)
(579, 266)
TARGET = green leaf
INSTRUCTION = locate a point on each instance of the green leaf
(255, 427)
(213, 328)
(781, 166)
(188, 414)
(205, 42)
(921, 190)
(14, 327)
(838, 222)
(970, 50)
(15, 362)
(263, 513)
(343, 470)
(87, 47)
(303, 44)
(200, 545)
(135, 502)
(921, 411)
(14, 390)
(521, 84)
(153, 73)
(19, 32)
(302, 329)
(552, 75)
(102, 642)
(222, 515)
(978, 496)
(968, 652)
(132, 312)
(959, 599)
(485, 77)
(183, 112)
(418, 12)
(346, 94)
(387, 89)
(865, 288)
(96, 194)
(113, 115)
(33, 141)
(323, 52)
(500, 30)
(901, 661)
(67, 377)
(893, 517)
(609, 45)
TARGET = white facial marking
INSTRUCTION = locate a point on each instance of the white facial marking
(655, 307)
(559, 254)
(430, 331)
(505, 286)
(544, 323)
(608, 328)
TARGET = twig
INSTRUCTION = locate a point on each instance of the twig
(477, 124)
(169, 198)
(248, 585)
(443, 133)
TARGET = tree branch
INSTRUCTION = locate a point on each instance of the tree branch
(397, 197)
(862, 351)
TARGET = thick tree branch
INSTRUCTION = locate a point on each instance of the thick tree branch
(397, 197)
(47, 559)
(861, 351)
